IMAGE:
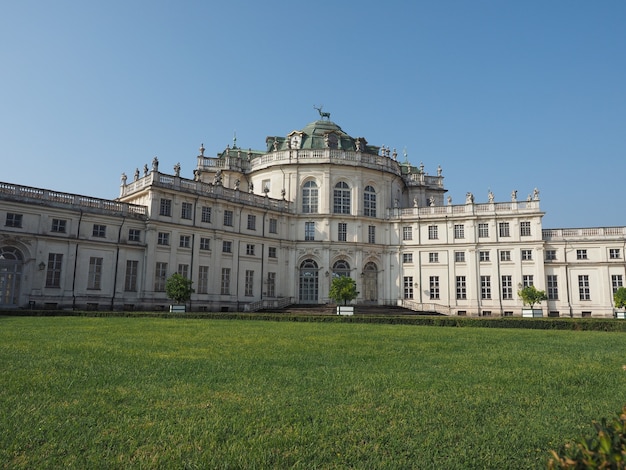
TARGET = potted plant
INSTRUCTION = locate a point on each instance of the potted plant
(619, 297)
(530, 296)
(178, 288)
(343, 290)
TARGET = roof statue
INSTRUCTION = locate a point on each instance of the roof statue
(322, 114)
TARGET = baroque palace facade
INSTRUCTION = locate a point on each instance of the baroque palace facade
(265, 229)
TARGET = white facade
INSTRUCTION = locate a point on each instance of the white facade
(264, 229)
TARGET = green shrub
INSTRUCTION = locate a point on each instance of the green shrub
(606, 449)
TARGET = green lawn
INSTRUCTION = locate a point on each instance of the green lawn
(166, 393)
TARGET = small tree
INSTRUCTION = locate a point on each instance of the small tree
(343, 289)
(620, 297)
(531, 296)
(178, 288)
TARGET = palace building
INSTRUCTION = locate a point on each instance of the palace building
(263, 229)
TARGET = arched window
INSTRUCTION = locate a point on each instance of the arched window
(11, 261)
(309, 198)
(309, 281)
(341, 198)
(341, 268)
(369, 202)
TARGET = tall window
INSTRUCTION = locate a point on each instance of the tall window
(271, 284)
(203, 279)
(249, 282)
(434, 287)
(225, 284)
(342, 231)
(553, 287)
(183, 270)
(583, 287)
(228, 218)
(524, 229)
(250, 249)
(407, 233)
(408, 287)
(461, 288)
(341, 198)
(483, 230)
(160, 277)
(186, 210)
(616, 282)
(371, 234)
(485, 287)
(528, 280)
(94, 278)
(53, 273)
(309, 197)
(369, 202)
(251, 222)
(130, 280)
(271, 252)
(273, 226)
(309, 231)
(166, 207)
(433, 233)
(459, 231)
(227, 246)
(206, 215)
(504, 229)
(507, 287)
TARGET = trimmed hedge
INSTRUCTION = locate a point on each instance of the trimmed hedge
(579, 324)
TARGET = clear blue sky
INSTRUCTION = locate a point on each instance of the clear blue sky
(502, 94)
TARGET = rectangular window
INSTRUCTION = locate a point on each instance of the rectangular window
(160, 277)
(185, 241)
(250, 249)
(53, 273)
(505, 255)
(228, 218)
(528, 280)
(166, 207)
(99, 230)
(483, 230)
(342, 231)
(433, 232)
(614, 253)
(504, 229)
(249, 282)
(203, 280)
(507, 287)
(527, 255)
(524, 229)
(485, 287)
(583, 287)
(227, 246)
(483, 256)
(581, 254)
(459, 257)
(163, 238)
(434, 287)
(407, 258)
(309, 231)
(132, 271)
(407, 233)
(206, 215)
(251, 222)
(186, 210)
(371, 234)
(225, 284)
(459, 231)
(408, 287)
(550, 255)
(134, 235)
(183, 270)
(13, 220)
(271, 252)
(273, 226)
(433, 257)
(461, 288)
(94, 278)
(205, 243)
(553, 287)
(616, 282)
(271, 284)
(59, 225)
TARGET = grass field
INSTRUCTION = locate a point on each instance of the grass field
(167, 393)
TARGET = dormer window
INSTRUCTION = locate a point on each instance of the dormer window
(295, 140)
(331, 140)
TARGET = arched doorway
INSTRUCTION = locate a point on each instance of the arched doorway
(11, 263)
(309, 282)
(341, 268)
(370, 282)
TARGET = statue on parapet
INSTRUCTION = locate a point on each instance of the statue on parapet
(514, 195)
(155, 164)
